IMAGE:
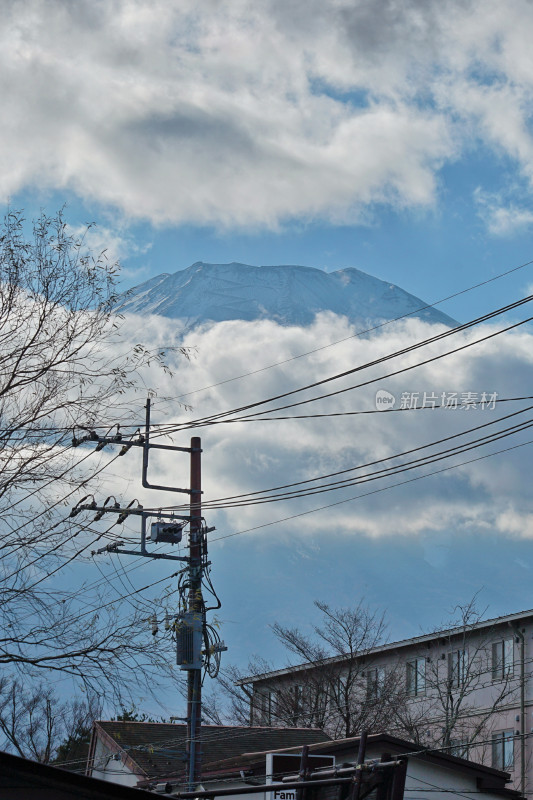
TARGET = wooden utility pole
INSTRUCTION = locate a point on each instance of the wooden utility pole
(196, 647)
(195, 605)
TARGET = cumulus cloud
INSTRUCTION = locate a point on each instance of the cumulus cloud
(486, 495)
(249, 114)
(501, 218)
(115, 243)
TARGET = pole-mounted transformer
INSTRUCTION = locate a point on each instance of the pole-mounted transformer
(189, 640)
(168, 532)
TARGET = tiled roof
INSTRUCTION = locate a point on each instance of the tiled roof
(159, 748)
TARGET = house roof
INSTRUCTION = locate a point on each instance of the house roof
(156, 749)
(21, 779)
(488, 778)
(383, 648)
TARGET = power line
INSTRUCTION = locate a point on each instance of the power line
(379, 474)
(367, 494)
(262, 494)
(371, 463)
(328, 415)
(215, 418)
(362, 332)
(340, 502)
(303, 513)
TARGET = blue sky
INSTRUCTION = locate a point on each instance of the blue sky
(345, 134)
(431, 252)
(396, 138)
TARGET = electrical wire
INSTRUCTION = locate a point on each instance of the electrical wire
(362, 332)
(367, 494)
(327, 415)
(213, 418)
(403, 468)
(379, 474)
(207, 504)
(357, 497)
(225, 502)
(303, 513)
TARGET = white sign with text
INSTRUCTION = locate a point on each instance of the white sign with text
(279, 765)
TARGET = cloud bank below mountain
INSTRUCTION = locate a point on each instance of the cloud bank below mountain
(489, 495)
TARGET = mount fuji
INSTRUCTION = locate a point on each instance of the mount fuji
(286, 294)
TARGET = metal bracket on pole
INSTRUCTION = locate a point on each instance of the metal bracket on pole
(146, 449)
(114, 548)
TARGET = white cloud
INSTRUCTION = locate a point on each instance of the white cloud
(491, 494)
(501, 219)
(247, 114)
(114, 243)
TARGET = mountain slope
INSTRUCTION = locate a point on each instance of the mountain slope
(290, 295)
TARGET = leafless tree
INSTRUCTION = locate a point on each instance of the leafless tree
(468, 679)
(339, 689)
(63, 369)
(36, 725)
(332, 683)
(228, 700)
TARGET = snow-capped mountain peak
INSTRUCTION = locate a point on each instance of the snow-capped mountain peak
(287, 294)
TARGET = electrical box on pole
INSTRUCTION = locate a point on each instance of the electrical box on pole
(189, 638)
(166, 532)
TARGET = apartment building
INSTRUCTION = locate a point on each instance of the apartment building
(467, 691)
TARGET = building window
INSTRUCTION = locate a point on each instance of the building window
(271, 700)
(297, 703)
(375, 681)
(321, 699)
(337, 694)
(502, 659)
(266, 705)
(457, 668)
(416, 676)
(503, 750)
(459, 748)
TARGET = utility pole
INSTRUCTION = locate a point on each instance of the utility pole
(195, 605)
(198, 645)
